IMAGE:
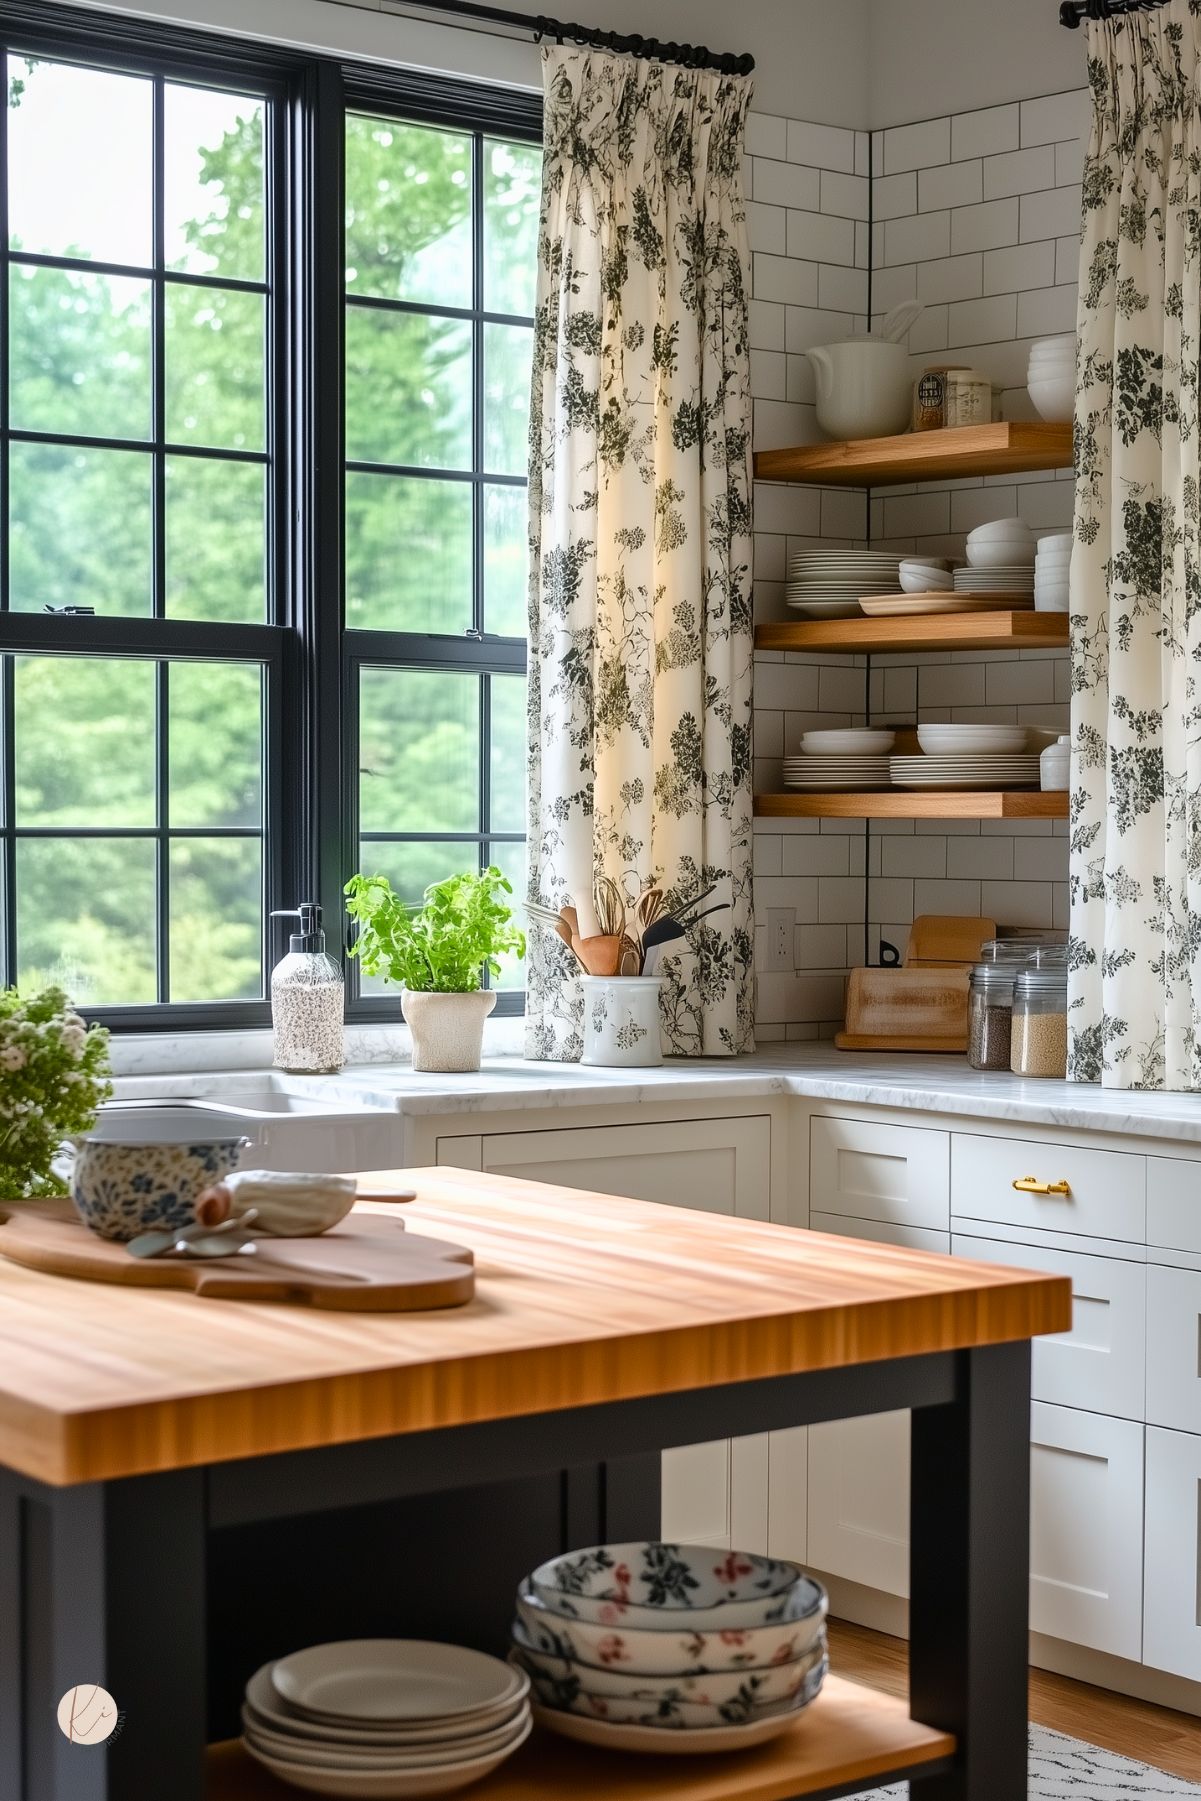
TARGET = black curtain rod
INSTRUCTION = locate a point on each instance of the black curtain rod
(693, 56)
(1072, 12)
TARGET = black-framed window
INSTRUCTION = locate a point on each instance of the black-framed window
(172, 436)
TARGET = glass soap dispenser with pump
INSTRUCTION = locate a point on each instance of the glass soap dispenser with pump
(307, 999)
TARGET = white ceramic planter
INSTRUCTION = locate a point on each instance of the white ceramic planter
(621, 1022)
(448, 1029)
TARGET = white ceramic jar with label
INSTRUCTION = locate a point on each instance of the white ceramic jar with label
(621, 1022)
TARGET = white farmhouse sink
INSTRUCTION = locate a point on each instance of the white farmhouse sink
(287, 1131)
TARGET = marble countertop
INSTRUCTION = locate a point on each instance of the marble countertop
(508, 1084)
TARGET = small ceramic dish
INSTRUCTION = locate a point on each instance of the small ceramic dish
(124, 1187)
(745, 1688)
(334, 1755)
(387, 1680)
(668, 1714)
(663, 1652)
(385, 1785)
(917, 578)
(653, 1584)
(271, 1714)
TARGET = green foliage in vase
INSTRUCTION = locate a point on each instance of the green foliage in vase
(53, 1077)
(443, 946)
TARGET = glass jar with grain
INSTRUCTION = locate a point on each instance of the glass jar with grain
(990, 1015)
(1039, 1035)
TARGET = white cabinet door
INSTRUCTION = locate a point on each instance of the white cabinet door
(715, 1493)
(858, 1524)
(1099, 1364)
(1086, 1530)
(899, 1175)
(1172, 1585)
(1174, 1347)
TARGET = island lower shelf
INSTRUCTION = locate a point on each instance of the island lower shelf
(897, 803)
(851, 1736)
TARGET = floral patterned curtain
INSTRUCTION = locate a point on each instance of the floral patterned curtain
(640, 519)
(1135, 991)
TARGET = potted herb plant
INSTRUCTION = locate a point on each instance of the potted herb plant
(437, 953)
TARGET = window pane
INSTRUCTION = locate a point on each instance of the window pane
(408, 554)
(213, 182)
(507, 353)
(80, 528)
(506, 560)
(215, 368)
(86, 918)
(512, 192)
(216, 919)
(508, 753)
(84, 731)
(79, 349)
(408, 212)
(408, 389)
(216, 526)
(215, 739)
(419, 751)
(80, 162)
(511, 859)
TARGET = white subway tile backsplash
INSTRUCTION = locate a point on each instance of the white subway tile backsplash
(821, 146)
(1056, 117)
(1017, 903)
(929, 332)
(845, 195)
(917, 146)
(1019, 266)
(1067, 258)
(1069, 163)
(783, 507)
(891, 286)
(766, 325)
(917, 238)
(949, 184)
(909, 857)
(986, 227)
(985, 133)
(894, 196)
(946, 897)
(982, 321)
(806, 326)
(1019, 172)
(1040, 859)
(1043, 312)
(1051, 214)
(816, 856)
(783, 278)
(916, 515)
(767, 227)
(844, 513)
(785, 184)
(769, 375)
(842, 289)
(979, 859)
(1011, 684)
(780, 425)
(766, 135)
(951, 278)
(821, 237)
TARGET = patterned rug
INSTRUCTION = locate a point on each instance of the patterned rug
(1066, 1769)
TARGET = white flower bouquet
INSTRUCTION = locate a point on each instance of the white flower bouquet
(53, 1076)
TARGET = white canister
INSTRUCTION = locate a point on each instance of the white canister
(1055, 766)
(621, 1022)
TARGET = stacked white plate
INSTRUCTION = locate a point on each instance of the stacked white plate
(965, 772)
(1051, 377)
(1016, 580)
(670, 1648)
(1051, 567)
(851, 758)
(826, 584)
(385, 1718)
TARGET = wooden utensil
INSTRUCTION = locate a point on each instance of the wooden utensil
(368, 1263)
(905, 1010)
(600, 956)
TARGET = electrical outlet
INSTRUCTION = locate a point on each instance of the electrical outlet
(781, 938)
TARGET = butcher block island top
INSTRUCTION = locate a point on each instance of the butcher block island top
(579, 1299)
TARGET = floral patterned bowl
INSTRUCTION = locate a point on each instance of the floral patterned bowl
(122, 1187)
(664, 1587)
(568, 1695)
(666, 1650)
(746, 1688)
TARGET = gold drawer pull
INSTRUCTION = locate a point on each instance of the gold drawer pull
(1032, 1185)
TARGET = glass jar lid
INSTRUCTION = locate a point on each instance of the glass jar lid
(1036, 984)
(1007, 950)
(993, 978)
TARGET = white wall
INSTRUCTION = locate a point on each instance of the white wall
(812, 55)
(930, 58)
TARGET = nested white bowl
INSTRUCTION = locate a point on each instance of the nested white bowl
(658, 1585)
(973, 740)
(918, 580)
(662, 1652)
(1052, 603)
(1001, 553)
(1064, 340)
(1009, 527)
(1057, 555)
(667, 1713)
(703, 1688)
(1057, 541)
(1053, 400)
(852, 741)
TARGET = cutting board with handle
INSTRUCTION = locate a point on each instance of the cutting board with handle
(941, 940)
(368, 1263)
(905, 1010)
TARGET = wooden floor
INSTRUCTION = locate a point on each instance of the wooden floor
(1154, 1735)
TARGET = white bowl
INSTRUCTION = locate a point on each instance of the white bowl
(669, 1586)
(974, 740)
(1054, 346)
(1054, 400)
(916, 580)
(850, 741)
(1058, 541)
(661, 1653)
(744, 1688)
(1001, 553)
(1051, 603)
(1009, 527)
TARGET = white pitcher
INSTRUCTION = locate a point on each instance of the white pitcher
(865, 383)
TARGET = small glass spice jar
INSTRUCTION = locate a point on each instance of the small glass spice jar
(990, 1015)
(1039, 1034)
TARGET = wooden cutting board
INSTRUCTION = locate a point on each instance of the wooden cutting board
(368, 1263)
(905, 1010)
(944, 940)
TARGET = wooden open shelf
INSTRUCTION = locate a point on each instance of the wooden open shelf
(919, 631)
(917, 803)
(1008, 448)
(851, 1737)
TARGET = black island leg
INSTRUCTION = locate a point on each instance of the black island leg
(969, 1575)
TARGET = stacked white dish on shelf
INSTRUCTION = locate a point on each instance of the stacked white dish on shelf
(1051, 377)
(385, 1719)
(926, 575)
(1000, 561)
(1052, 566)
(968, 756)
(827, 584)
(851, 760)
(670, 1648)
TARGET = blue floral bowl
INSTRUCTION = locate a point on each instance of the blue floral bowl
(123, 1187)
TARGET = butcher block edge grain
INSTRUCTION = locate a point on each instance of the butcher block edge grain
(850, 1735)
(580, 1299)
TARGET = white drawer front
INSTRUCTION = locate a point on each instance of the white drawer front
(1172, 1589)
(1174, 1203)
(1107, 1189)
(1099, 1364)
(1086, 1530)
(1174, 1347)
(897, 1174)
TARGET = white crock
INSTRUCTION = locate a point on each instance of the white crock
(864, 387)
(448, 1029)
(621, 1022)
